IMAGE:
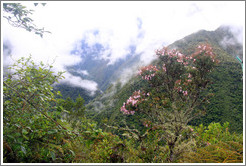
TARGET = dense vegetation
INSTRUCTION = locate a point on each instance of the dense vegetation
(39, 126)
(226, 84)
(185, 107)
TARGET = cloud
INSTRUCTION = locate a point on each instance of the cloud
(79, 82)
(84, 72)
(237, 31)
(233, 41)
(115, 25)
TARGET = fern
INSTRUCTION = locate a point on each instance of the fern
(222, 152)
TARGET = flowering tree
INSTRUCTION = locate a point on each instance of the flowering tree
(174, 94)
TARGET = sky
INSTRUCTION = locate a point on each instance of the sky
(148, 25)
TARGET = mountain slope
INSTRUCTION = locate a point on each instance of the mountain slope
(95, 67)
(227, 103)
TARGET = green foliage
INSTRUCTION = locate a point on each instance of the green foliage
(227, 85)
(30, 131)
(173, 95)
(152, 149)
(41, 126)
(215, 133)
(72, 111)
(73, 92)
(34, 127)
(215, 144)
(222, 152)
(227, 103)
(18, 16)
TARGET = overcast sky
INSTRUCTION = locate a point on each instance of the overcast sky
(148, 25)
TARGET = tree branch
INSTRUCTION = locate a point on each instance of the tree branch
(43, 113)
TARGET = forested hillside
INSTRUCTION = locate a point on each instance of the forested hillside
(184, 107)
(227, 84)
(152, 125)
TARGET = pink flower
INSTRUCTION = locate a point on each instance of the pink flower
(139, 72)
(185, 93)
(178, 82)
(179, 60)
(164, 67)
(150, 72)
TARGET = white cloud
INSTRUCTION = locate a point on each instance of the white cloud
(79, 82)
(84, 72)
(118, 24)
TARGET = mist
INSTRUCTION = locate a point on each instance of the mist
(116, 26)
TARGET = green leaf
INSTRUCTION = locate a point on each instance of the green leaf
(26, 137)
(23, 149)
(66, 111)
(10, 136)
(72, 152)
(53, 155)
(24, 131)
(52, 131)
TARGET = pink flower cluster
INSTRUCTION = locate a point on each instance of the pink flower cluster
(185, 93)
(148, 72)
(189, 76)
(147, 123)
(161, 52)
(171, 53)
(181, 58)
(164, 67)
(125, 111)
(133, 101)
(179, 88)
(206, 50)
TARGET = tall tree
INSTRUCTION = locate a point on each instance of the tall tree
(174, 95)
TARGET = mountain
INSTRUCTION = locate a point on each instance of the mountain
(97, 68)
(223, 37)
(227, 103)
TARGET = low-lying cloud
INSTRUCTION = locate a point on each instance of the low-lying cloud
(79, 82)
(236, 40)
(116, 26)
